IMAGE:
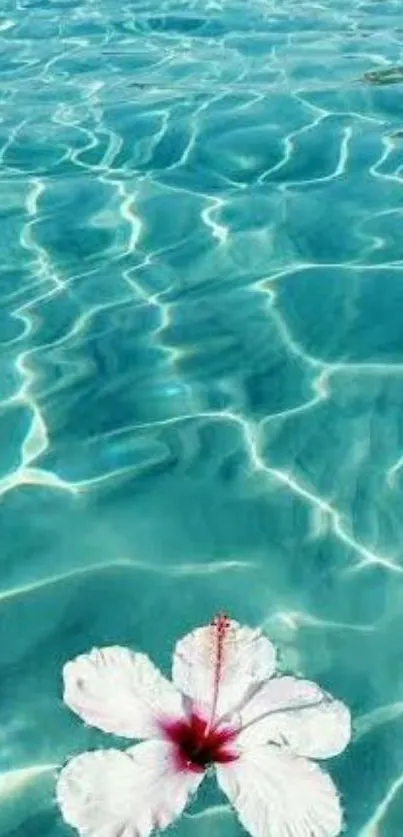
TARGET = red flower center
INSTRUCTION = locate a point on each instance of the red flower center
(197, 746)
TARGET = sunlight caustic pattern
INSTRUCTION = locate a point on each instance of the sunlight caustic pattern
(201, 289)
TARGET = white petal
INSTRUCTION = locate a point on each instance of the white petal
(217, 665)
(298, 714)
(282, 795)
(110, 793)
(121, 692)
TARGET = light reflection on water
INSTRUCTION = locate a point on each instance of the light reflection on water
(201, 289)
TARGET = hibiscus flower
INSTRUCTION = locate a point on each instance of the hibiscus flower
(225, 709)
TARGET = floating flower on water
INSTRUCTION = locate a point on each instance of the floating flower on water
(225, 709)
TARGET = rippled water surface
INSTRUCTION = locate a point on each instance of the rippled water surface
(201, 378)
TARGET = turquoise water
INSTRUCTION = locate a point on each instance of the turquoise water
(201, 362)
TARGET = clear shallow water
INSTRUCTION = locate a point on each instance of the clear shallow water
(201, 362)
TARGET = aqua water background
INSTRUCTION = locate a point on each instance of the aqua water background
(201, 374)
